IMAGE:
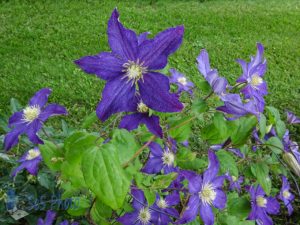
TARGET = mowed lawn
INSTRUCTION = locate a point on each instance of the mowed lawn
(40, 39)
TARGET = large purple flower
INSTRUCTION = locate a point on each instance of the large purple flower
(217, 83)
(142, 214)
(252, 75)
(234, 106)
(292, 118)
(29, 161)
(205, 192)
(262, 206)
(163, 210)
(159, 159)
(131, 68)
(180, 80)
(30, 120)
(285, 195)
(141, 116)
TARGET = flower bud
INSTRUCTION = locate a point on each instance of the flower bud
(290, 159)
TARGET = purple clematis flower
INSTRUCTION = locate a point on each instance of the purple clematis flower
(234, 182)
(30, 120)
(285, 195)
(252, 75)
(159, 159)
(29, 161)
(292, 118)
(130, 69)
(142, 214)
(217, 83)
(163, 210)
(205, 192)
(262, 206)
(233, 105)
(141, 116)
(50, 217)
(291, 146)
(49, 220)
(180, 80)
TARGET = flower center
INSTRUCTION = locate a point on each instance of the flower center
(182, 80)
(261, 201)
(168, 158)
(286, 194)
(142, 108)
(256, 80)
(30, 113)
(207, 194)
(144, 216)
(162, 204)
(134, 70)
(234, 178)
(32, 154)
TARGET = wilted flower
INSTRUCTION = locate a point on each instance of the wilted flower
(130, 69)
(142, 214)
(180, 80)
(163, 209)
(290, 159)
(292, 118)
(285, 195)
(31, 119)
(217, 83)
(159, 159)
(234, 182)
(29, 161)
(141, 116)
(262, 206)
(234, 106)
(205, 192)
(252, 75)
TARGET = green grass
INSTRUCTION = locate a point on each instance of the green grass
(40, 39)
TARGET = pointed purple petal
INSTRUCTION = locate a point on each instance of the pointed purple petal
(40, 98)
(16, 119)
(117, 96)
(220, 200)
(154, 90)
(50, 217)
(128, 218)
(131, 122)
(213, 168)
(122, 41)
(153, 166)
(12, 137)
(152, 123)
(154, 53)
(143, 37)
(138, 198)
(156, 149)
(203, 63)
(32, 131)
(191, 211)
(52, 110)
(105, 65)
(195, 181)
(273, 206)
(207, 214)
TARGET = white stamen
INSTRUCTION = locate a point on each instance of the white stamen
(134, 71)
(286, 194)
(256, 80)
(30, 113)
(261, 201)
(32, 154)
(182, 80)
(207, 194)
(142, 108)
(144, 216)
(234, 178)
(162, 204)
(168, 158)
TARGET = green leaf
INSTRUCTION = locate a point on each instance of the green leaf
(100, 213)
(89, 120)
(227, 163)
(75, 147)
(180, 129)
(243, 130)
(261, 172)
(52, 155)
(199, 106)
(262, 125)
(15, 105)
(105, 176)
(79, 206)
(163, 181)
(45, 180)
(150, 196)
(221, 125)
(280, 128)
(124, 143)
(211, 134)
(273, 114)
(238, 206)
(275, 145)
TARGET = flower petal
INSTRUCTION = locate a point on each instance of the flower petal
(220, 200)
(16, 118)
(105, 65)
(52, 110)
(152, 123)
(213, 168)
(128, 218)
(32, 130)
(153, 166)
(154, 53)
(195, 181)
(154, 90)
(203, 63)
(117, 96)
(156, 149)
(273, 206)
(138, 198)
(122, 41)
(40, 98)
(191, 211)
(12, 137)
(207, 214)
